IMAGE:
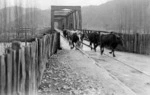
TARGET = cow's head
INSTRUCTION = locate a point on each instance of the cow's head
(120, 40)
(81, 37)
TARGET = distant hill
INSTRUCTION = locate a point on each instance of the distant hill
(125, 15)
(99, 17)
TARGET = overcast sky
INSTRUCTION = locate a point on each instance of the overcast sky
(70, 2)
(45, 4)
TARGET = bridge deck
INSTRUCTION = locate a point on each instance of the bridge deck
(130, 69)
(82, 76)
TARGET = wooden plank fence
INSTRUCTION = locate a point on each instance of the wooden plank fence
(135, 43)
(21, 70)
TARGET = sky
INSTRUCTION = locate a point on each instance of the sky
(45, 4)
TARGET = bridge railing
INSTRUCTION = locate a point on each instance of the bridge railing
(21, 70)
(135, 43)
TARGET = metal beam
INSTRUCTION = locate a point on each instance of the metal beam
(59, 15)
(57, 8)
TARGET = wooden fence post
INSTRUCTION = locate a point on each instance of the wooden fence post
(33, 70)
(27, 69)
(136, 43)
(37, 61)
(22, 72)
(14, 73)
(2, 75)
(8, 60)
(21, 69)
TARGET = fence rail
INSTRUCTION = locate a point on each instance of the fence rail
(21, 70)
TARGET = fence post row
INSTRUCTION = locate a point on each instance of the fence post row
(21, 70)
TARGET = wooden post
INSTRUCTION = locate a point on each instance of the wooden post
(27, 69)
(19, 73)
(2, 75)
(8, 61)
(38, 61)
(22, 72)
(33, 50)
(14, 73)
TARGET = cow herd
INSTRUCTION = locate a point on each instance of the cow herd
(74, 37)
(110, 40)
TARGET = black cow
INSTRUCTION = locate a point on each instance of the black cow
(111, 40)
(94, 39)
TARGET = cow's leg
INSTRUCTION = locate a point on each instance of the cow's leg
(76, 45)
(82, 44)
(72, 45)
(91, 45)
(102, 49)
(70, 42)
(113, 51)
(95, 46)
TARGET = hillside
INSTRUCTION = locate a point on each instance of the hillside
(123, 15)
(99, 17)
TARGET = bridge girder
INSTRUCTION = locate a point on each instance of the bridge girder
(70, 19)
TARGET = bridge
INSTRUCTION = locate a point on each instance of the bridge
(42, 64)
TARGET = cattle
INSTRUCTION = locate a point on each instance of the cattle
(81, 37)
(75, 38)
(94, 39)
(65, 33)
(111, 40)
